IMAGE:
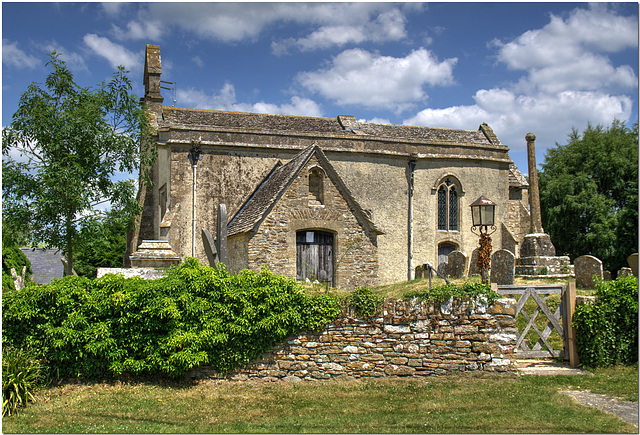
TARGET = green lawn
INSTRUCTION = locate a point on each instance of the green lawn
(464, 403)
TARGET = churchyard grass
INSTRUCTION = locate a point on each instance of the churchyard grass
(463, 403)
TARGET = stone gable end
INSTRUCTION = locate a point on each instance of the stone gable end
(298, 209)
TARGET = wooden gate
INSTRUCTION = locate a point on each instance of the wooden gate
(546, 335)
(314, 252)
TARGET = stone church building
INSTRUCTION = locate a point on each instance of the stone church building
(347, 202)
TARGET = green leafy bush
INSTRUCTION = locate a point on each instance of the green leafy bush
(607, 330)
(13, 257)
(365, 302)
(20, 374)
(195, 315)
(468, 291)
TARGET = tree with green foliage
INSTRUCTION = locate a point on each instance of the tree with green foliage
(71, 141)
(589, 194)
(104, 242)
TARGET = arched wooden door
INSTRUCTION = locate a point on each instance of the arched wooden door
(314, 256)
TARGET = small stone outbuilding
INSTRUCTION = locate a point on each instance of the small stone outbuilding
(302, 221)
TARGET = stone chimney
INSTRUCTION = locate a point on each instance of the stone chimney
(152, 71)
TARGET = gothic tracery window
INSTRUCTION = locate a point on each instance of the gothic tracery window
(447, 206)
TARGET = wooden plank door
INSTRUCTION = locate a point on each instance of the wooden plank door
(314, 256)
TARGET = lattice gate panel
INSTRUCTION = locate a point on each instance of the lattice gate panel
(541, 319)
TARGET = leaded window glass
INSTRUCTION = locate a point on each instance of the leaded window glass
(442, 208)
(453, 209)
(447, 206)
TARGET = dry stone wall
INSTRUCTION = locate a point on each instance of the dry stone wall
(407, 339)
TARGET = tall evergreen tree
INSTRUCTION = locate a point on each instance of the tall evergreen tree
(589, 194)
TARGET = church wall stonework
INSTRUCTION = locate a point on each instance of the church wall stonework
(239, 150)
(378, 183)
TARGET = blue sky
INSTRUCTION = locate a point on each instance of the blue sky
(521, 67)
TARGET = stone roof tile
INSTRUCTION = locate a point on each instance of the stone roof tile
(267, 193)
(311, 125)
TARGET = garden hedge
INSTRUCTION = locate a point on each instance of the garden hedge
(194, 315)
(607, 329)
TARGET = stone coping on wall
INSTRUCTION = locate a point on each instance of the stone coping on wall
(408, 338)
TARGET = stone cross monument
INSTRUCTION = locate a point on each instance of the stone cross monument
(537, 243)
(537, 253)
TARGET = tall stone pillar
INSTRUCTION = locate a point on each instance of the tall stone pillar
(534, 192)
(537, 253)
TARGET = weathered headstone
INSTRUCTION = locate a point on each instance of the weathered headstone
(154, 254)
(221, 234)
(456, 264)
(607, 275)
(633, 263)
(473, 264)
(625, 271)
(503, 267)
(586, 268)
(419, 272)
(209, 247)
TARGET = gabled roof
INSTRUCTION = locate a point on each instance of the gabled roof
(267, 194)
(516, 179)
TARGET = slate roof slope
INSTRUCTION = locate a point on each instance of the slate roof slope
(46, 264)
(264, 198)
(314, 125)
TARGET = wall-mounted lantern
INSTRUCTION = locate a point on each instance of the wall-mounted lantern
(483, 212)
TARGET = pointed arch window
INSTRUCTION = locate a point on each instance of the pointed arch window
(448, 194)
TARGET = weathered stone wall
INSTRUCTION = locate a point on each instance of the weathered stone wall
(407, 339)
(517, 220)
(379, 183)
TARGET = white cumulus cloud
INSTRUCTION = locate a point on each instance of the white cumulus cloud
(14, 57)
(326, 24)
(568, 80)
(114, 53)
(550, 116)
(225, 99)
(358, 76)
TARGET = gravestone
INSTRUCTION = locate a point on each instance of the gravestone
(221, 234)
(625, 271)
(607, 275)
(456, 264)
(155, 254)
(633, 263)
(503, 267)
(586, 267)
(419, 272)
(209, 247)
(473, 264)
